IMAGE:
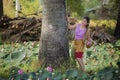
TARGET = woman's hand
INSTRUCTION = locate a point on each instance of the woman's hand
(94, 43)
(71, 26)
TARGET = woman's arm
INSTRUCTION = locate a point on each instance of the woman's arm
(71, 26)
(89, 38)
(88, 35)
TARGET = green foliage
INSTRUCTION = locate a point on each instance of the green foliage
(117, 43)
(103, 55)
(112, 7)
(117, 47)
(27, 7)
(75, 7)
(8, 8)
(115, 4)
(19, 55)
(30, 6)
(43, 74)
(100, 63)
(88, 4)
(72, 74)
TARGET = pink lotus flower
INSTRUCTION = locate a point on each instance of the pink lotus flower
(48, 79)
(20, 71)
(89, 43)
(49, 69)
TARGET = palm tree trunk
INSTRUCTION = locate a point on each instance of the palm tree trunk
(117, 29)
(54, 41)
(1, 8)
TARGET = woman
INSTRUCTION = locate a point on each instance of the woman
(82, 34)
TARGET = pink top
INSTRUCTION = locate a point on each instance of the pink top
(79, 33)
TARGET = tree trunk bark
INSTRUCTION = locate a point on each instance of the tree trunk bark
(1, 8)
(117, 29)
(54, 39)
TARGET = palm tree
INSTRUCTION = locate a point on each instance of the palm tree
(117, 29)
(54, 41)
(1, 8)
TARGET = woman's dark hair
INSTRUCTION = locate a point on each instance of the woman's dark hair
(88, 20)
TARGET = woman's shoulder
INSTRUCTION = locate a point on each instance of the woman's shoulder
(78, 24)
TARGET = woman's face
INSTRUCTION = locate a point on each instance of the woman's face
(84, 22)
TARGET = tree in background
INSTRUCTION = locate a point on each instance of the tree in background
(18, 8)
(1, 8)
(75, 8)
(53, 41)
(117, 29)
